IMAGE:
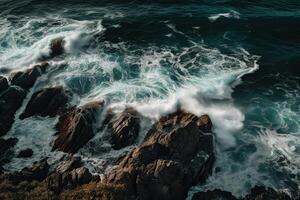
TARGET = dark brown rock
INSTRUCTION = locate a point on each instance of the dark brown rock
(263, 193)
(76, 127)
(26, 153)
(38, 171)
(177, 153)
(28, 78)
(46, 102)
(68, 165)
(214, 194)
(10, 101)
(57, 47)
(124, 128)
(3, 84)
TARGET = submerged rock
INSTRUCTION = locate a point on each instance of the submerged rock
(28, 78)
(10, 101)
(76, 127)
(5, 147)
(26, 153)
(46, 102)
(3, 84)
(177, 153)
(124, 128)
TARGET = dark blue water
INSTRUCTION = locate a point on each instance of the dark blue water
(238, 61)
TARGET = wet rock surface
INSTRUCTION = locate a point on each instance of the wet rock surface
(3, 84)
(10, 101)
(26, 153)
(124, 128)
(57, 47)
(46, 102)
(27, 79)
(177, 153)
(76, 127)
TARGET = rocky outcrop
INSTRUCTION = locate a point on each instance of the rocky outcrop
(46, 102)
(57, 47)
(69, 174)
(3, 84)
(177, 153)
(26, 153)
(256, 193)
(124, 128)
(5, 147)
(262, 193)
(214, 194)
(28, 78)
(10, 101)
(76, 127)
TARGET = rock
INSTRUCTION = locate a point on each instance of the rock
(68, 165)
(263, 193)
(5, 150)
(28, 78)
(76, 127)
(69, 174)
(26, 153)
(10, 101)
(178, 152)
(214, 194)
(124, 128)
(57, 47)
(38, 171)
(3, 84)
(46, 102)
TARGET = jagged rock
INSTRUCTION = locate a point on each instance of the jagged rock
(263, 193)
(57, 47)
(177, 153)
(46, 102)
(38, 171)
(26, 153)
(3, 84)
(27, 79)
(76, 127)
(124, 128)
(68, 165)
(5, 150)
(10, 101)
(214, 194)
(69, 174)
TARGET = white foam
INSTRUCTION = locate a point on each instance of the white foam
(231, 14)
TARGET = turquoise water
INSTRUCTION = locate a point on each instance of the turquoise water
(237, 61)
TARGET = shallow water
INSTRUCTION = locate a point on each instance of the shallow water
(237, 61)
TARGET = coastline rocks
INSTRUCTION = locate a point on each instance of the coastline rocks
(46, 102)
(124, 128)
(5, 150)
(28, 78)
(76, 127)
(3, 84)
(26, 153)
(177, 153)
(214, 194)
(262, 193)
(69, 174)
(57, 47)
(10, 101)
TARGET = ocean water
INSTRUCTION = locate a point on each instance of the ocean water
(236, 60)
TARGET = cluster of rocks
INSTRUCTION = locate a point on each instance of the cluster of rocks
(177, 152)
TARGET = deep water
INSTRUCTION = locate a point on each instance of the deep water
(236, 60)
